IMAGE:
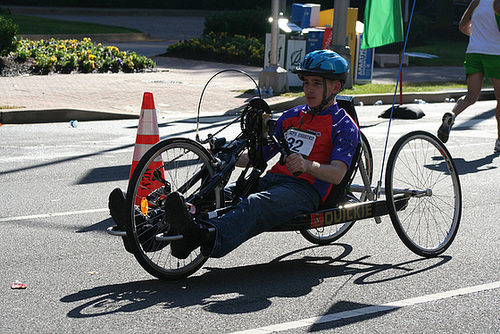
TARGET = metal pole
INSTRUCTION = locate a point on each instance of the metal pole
(274, 76)
(339, 42)
(339, 24)
(274, 33)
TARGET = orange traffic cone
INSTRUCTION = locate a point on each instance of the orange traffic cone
(148, 134)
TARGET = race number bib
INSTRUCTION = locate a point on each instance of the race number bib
(300, 141)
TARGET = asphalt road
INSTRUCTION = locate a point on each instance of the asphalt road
(55, 180)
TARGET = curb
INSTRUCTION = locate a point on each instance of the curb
(430, 97)
(23, 116)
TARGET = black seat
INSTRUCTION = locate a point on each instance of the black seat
(347, 103)
(339, 191)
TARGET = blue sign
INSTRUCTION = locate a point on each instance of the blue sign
(364, 63)
(315, 40)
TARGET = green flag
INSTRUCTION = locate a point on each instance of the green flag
(383, 23)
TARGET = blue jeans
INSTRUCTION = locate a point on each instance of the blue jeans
(279, 198)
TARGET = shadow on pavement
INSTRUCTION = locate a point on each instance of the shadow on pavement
(474, 166)
(471, 123)
(250, 288)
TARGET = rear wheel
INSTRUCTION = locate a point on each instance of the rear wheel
(421, 168)
(328, 234)
(185, 166)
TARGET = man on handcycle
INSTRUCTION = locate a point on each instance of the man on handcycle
(322, 139)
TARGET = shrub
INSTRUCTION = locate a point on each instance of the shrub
(251, 22)
(8, 32)
(420, 31)
(220, 47)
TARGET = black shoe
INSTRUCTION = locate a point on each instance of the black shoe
(181, 223)
(207, 241)
(117, 208)
(146, 229)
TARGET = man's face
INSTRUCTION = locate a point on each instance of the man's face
(313, 90)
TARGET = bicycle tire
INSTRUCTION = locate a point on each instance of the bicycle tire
(180, 158)
(328, 234)
(427, 224)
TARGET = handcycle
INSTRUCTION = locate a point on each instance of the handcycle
(422, 191)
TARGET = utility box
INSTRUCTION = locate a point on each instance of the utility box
(291, 50)
(305, 15)
(315, 11)
(319, 38)
(281, 50)
(301, 15)
(295, 52)
(315, 39)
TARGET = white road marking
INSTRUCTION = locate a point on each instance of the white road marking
(48, 215)
(370, 309)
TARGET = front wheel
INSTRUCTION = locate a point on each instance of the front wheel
(185, 166)
(421, 169)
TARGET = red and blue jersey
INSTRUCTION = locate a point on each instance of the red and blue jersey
(335, 137)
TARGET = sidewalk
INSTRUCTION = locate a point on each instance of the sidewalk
(176, 85)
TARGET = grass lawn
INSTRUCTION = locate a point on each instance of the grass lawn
(383, 89)
(449, 52)
(29, 25)
(407, 88)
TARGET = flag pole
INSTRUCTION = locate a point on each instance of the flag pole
(401, 74)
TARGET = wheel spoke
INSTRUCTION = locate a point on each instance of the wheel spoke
(184, 165)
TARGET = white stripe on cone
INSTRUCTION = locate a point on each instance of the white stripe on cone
(148, 126)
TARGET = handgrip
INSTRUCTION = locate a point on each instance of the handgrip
(286, 152)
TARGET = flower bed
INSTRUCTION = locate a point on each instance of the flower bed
(68, 56)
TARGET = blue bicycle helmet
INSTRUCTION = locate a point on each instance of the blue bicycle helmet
(324, 63)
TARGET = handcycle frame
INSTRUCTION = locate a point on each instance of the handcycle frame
(218, 163)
